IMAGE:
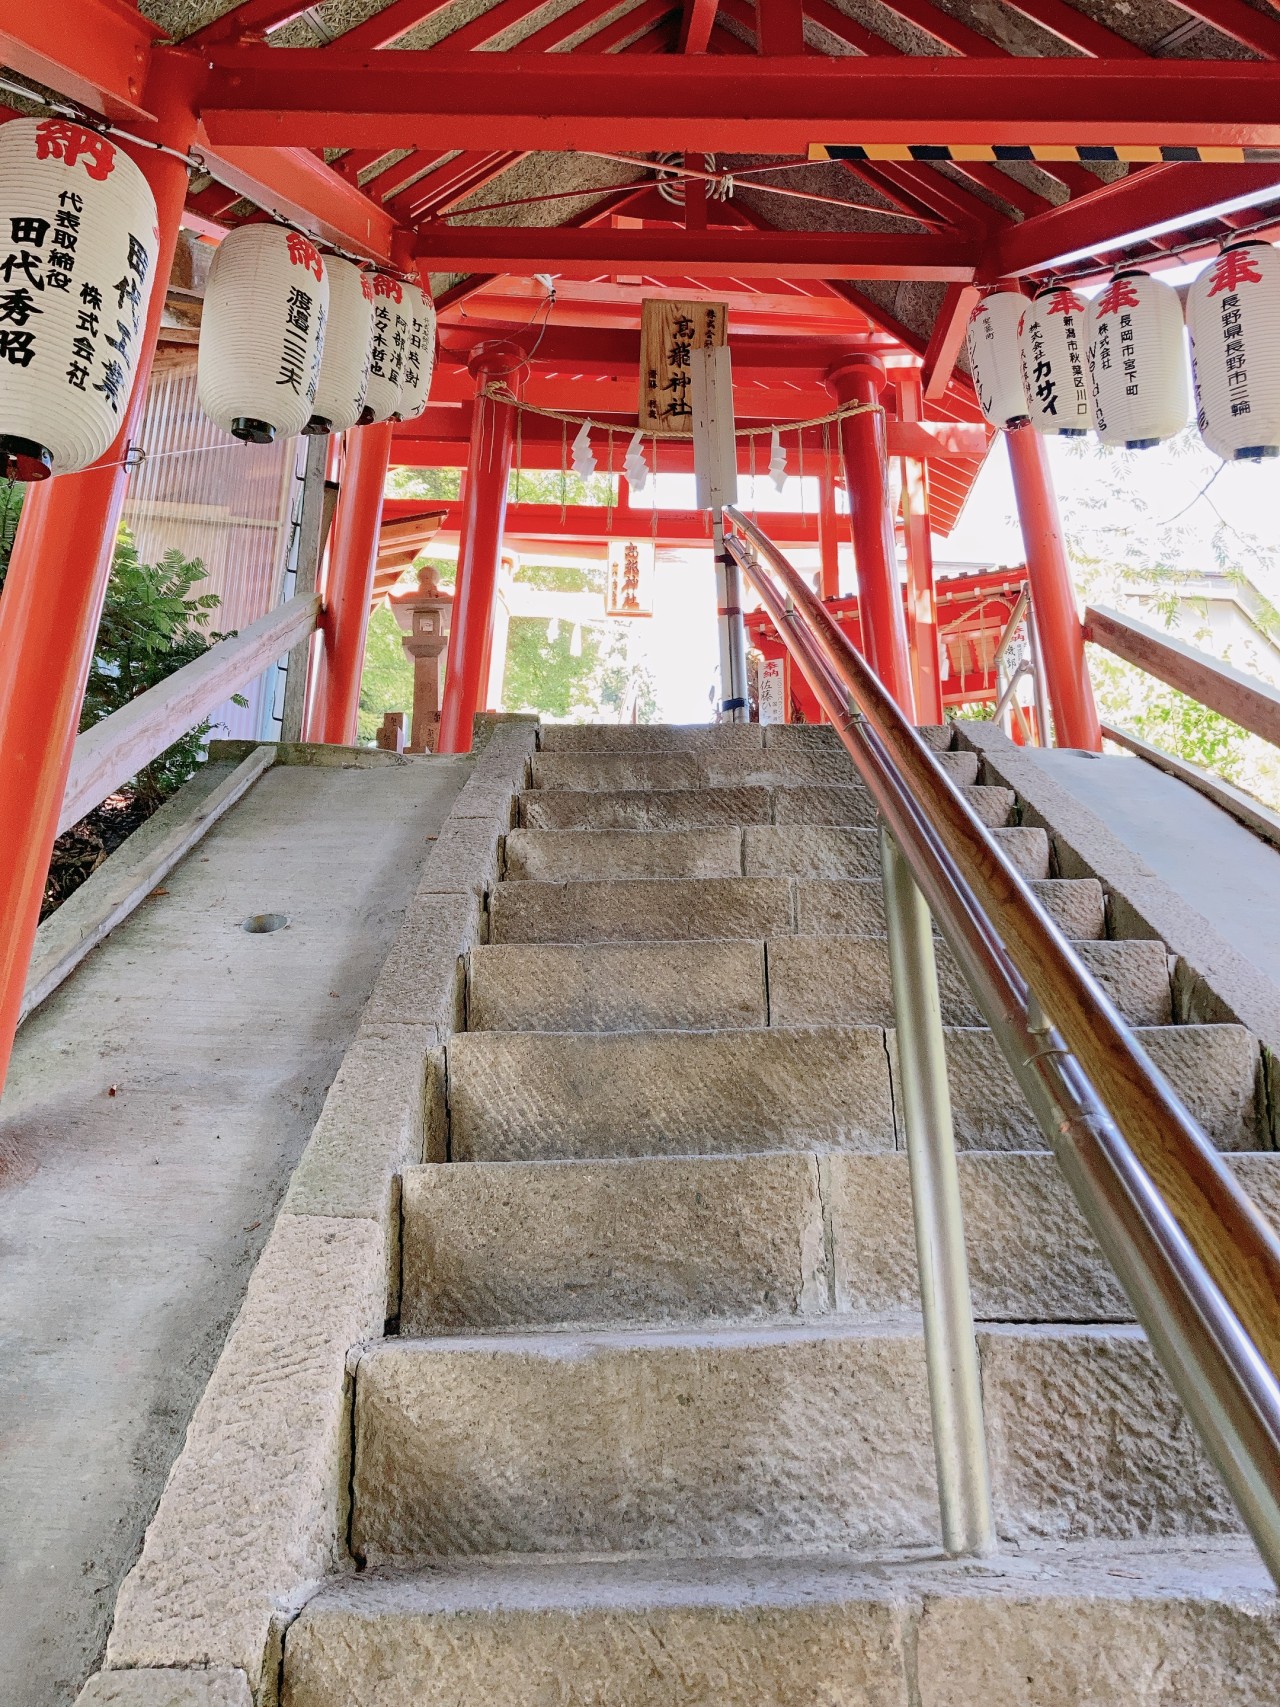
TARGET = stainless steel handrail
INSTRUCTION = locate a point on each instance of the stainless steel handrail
(1199, 1265)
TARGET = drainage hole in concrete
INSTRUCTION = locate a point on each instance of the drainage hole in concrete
(259, 924)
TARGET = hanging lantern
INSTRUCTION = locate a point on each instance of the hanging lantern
(391, 316)
(1055, 377)
(420, 354)
(78, 223)
(344, 368)
(1233, 315)
(994, 360)
(1137, 361)
(262, 333)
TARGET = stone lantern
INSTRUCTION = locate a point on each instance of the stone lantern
(423, 613)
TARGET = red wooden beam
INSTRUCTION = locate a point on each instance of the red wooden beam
(103, 62)
(944, 28)
(673, 252)
(848, 30)
(390, 24)
(1240, 22)
(779, 26)
(1157, 200)
(947, 337)
(307, 97)
(1077, 30)
(696, 19)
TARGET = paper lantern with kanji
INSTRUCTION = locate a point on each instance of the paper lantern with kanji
(1137, 361)
(420, 355)
(1055, 373)
(78, 245)
(1233, 315)
(994, 358)
(387, 351)
(344, 366)
(262, 333)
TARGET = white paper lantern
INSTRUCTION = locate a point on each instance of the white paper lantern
(994, 359)
(1233, 315)
(1055, 375)
(262, 333)
(1137, 361)
(390, 345)
(344, 367)
(77, 264)
(420, 356)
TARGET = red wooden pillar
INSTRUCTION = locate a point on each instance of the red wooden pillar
(922, 603)
(863, 443)
(484, 510)
(1061, 637)
(353, 557)
(53, 597)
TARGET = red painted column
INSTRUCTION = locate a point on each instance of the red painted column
(922, 603)
(53, 596)
(863, 443)
(353, 557)
(828, 535)
(1075, 717)
(484, 510)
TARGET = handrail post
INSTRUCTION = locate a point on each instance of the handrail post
(951, 1352)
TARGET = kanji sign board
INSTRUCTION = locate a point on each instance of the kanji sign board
(669, 333)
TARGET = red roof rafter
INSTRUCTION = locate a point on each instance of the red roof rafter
(696, 19)
(1240, 22)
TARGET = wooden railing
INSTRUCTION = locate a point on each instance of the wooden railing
(117, 748)
(1241, 698)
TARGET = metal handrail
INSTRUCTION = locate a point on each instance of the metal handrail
(1200, 1266)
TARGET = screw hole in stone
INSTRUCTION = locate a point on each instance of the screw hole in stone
(260, 924)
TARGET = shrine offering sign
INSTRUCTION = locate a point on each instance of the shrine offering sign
(668, 332)
(630, 586)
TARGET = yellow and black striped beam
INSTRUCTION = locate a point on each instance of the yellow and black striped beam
(1047, 153)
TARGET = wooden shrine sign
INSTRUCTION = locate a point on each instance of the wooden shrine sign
(629, 587)
(668, 332)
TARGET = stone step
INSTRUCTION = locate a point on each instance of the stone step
(809, 1437)
(707, 985)
(743, 1238)
(526, 1096)
(854, 907)
(692, 809)
(712, 768)
(704, 737)
(759, 904)
(1107, 1624)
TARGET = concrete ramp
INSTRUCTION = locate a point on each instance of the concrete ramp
(157, 1104)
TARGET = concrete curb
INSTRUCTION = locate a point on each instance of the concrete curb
(1213, 982)
(256, 1507)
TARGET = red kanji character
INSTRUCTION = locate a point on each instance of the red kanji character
(366, 285)
(304, 253)
(1065, 302)
(384, 286)
(59, 139)
(1120, 293)
(1234, 268)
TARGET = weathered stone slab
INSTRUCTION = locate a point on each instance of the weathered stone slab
(1075, 904)
(1086, 1437)
(675, 986)
(516, 1097)
(644, 809)
(1031, 1256)
(810, 850)
(848, 906)
(826, 803)
(514, 1244)
(558, 856)
(254, 1510)
(845, 981)
(682, 1443)
(592, 771)
(162, 1687)
(641, 911)
(464, 858)
(1135, 974)
(652, 738)
(1213, 1068)
(421, 982)
(520, 1632)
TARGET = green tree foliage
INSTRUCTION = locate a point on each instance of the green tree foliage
(386, 683)
(10, 514)
(152, 624)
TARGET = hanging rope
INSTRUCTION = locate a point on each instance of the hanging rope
(501, 394)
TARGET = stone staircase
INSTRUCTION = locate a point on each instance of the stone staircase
(655, 1426)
